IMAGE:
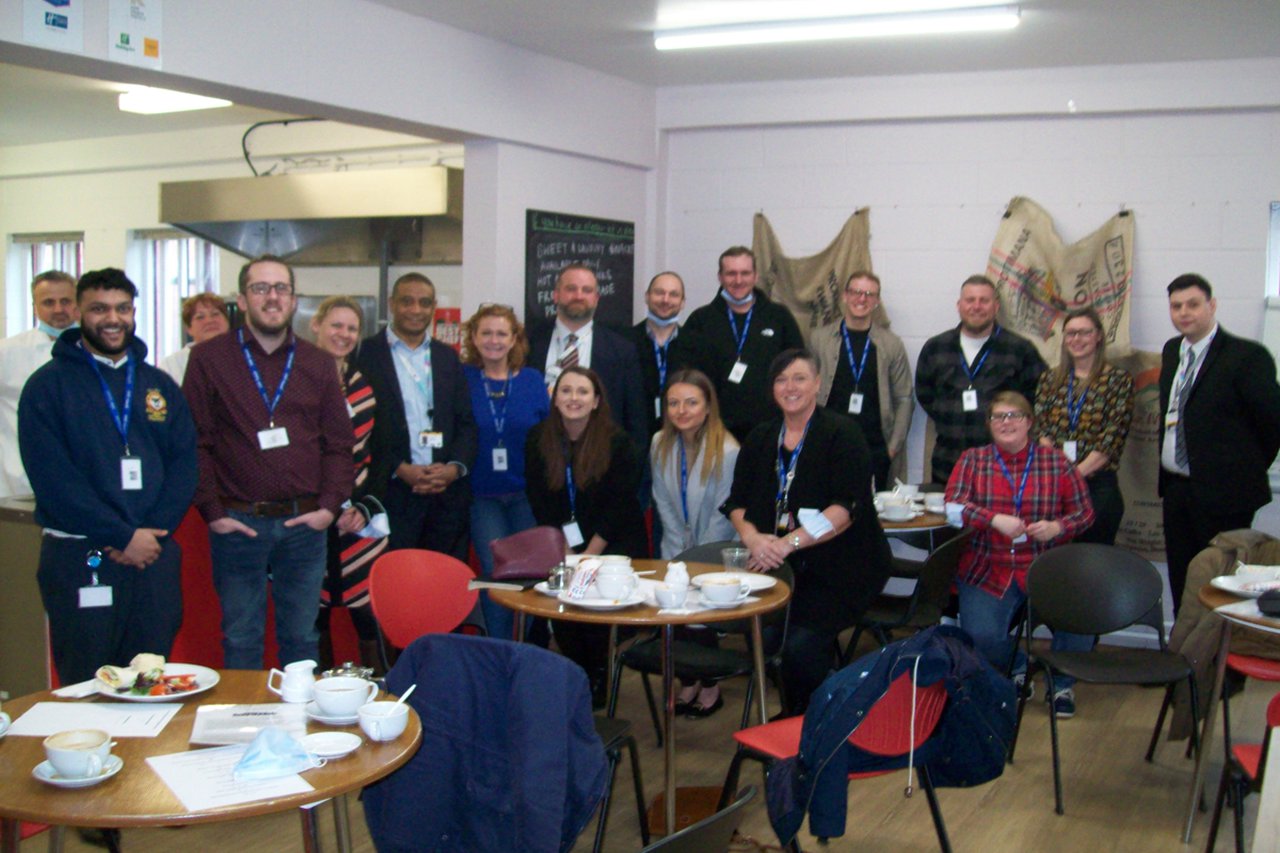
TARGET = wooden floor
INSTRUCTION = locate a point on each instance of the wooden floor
(1114, 800)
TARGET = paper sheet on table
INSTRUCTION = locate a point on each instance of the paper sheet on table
(1249, 607)
(202, 779)
(118, 719)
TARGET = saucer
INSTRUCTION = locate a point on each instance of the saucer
(724, 605)
(541, 586)
(314, 712)
(45, 773)
(597, 603)
(332, 744)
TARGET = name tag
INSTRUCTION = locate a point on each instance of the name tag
(657, 408)
(131, 473)
(739, 371)
(855, 403)
(431, 438)
(573, 534)
(499, 459)
(969, 400)
(1071, 449)
(1020, 540)
(271, 438)
(95, 596)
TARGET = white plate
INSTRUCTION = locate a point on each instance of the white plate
(45, 773)
(205, 679)
(755, 580)
(541, 586)
(332, 744)
(1246, 586)
(593, 603)
(314, 712)
(1257, 572)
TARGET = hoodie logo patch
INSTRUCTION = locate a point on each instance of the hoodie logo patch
(157, 406)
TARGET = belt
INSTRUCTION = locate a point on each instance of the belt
(273, 509)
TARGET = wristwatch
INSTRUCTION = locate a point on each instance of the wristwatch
(795, 541)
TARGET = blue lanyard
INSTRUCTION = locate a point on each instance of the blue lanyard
(740, 339)
(973, 374)
(271, 402)
(788, 473)
(684, 480)
(1026, 472)
(499, 421)
(119, 418)
(660, 356)
(569, 484)
(1074, 409)
(848, 348)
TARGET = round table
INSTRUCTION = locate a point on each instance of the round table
(643, 615)
(137, 797)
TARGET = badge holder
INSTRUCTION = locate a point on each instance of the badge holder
(95, 594)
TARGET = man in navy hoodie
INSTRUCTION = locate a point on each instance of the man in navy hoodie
(110, 450)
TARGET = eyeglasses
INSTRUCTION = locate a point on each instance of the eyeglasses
(863, 294)
(262, 288)
(1072, 334)
(1006, 417)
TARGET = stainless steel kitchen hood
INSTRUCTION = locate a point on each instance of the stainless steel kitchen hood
(357, 218)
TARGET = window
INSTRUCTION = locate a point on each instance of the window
(174, 265)
(32, 254)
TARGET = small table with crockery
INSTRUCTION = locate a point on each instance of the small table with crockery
(645, 613)
(136, 796)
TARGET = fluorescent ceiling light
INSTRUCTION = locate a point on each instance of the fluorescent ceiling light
(823, 29)
(151, 101)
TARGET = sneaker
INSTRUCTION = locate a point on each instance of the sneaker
(1064, 703)
(1020, 684)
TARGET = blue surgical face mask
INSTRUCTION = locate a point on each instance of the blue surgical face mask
(51, 331)
(274, 753)
(659, 322)
(746, 300)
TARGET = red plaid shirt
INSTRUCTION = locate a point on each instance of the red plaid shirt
(1055, 492)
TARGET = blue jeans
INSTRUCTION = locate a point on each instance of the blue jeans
(988, 619)
(295, 559)
(493, 517)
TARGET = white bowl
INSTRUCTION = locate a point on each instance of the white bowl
(897, 513)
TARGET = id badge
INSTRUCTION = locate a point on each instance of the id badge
(432, 438)
(573, 534)
(270, 438)
(1020, 540)
(657, 408)
(499, 459)
(739, 371)
(855, 403)
(1071, 449)
(130, 473)
(95, 595)
(969, 399)
(783, 524)
(1170, 420)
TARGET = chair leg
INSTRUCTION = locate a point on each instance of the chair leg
(851, 647)
(1164, 709)
(746, 705)
(1217, 808)
(1017, 723)
(653, 707)
(612, 710)
(926, 781)
(1237, 805)
(1053, 735)
(614, 755)
(731, 779)
(641, 811)
(1196, 745)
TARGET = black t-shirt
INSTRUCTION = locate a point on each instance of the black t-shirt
(842, 385)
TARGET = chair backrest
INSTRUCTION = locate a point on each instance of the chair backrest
(709, 835)
(416, 592)
(939, 571)
(1095, 589)
(887, 728)
(529, 553)
(708, 552)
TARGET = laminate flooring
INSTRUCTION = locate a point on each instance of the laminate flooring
(1115, 801)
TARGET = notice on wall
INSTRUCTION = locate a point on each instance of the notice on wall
(133, 31)
(55, 24)
(607, 246)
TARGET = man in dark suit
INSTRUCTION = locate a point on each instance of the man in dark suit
(575, 338)
(655, 338)
(1221, 427)
(424, 434)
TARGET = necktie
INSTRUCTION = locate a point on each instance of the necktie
(569, 357)
(1184, 388)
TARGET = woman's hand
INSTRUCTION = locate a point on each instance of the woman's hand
(352, 520)
(1009, 525)
(761, 546)
(1043, 531)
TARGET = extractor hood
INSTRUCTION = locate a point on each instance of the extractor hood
(372, 217)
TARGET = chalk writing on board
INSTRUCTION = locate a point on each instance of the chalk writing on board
(606, 246)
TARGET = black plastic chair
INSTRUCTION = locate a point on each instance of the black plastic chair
(616, 734)
(1098, 589)
(709, 835)
(922, 608)
(694, 661)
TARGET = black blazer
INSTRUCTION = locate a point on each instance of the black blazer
(389, 441)
(1232, 422)
(614, 358)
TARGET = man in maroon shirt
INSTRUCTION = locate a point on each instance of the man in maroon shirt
(274, 444)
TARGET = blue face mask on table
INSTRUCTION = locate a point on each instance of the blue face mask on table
(274, 753)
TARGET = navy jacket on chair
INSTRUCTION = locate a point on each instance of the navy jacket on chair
(509, 761)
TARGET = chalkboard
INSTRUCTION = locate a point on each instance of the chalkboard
(607, 246)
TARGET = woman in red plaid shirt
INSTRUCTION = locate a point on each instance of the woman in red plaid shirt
(1020, 499)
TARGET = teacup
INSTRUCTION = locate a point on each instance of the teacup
(935, 501)
(735, 559)
(670, 596)
(888, 499)
(897, 512)
(616, 585)
(297, 681)
(615, 560)
(78, 753)
(907, 492)
(724, 590)
(383, 720)
(342, 695)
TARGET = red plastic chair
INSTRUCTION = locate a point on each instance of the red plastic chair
(1241, 775)
(416, 592)
(1240, 667)
(887, 730)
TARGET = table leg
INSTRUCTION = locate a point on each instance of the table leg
(56, 836)
(520, 617)
(613, 663)
(342, 823)
(1206, 733)
(669, 741)
(757, 651)
(10, 834)
(310, 828)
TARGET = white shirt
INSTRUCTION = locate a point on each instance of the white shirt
(551, 370)
(972, 346)
(175, 363)
(20, 356)
(1169, 450)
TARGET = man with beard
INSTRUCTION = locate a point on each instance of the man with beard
(274, 442)
(53, 296)
(959, 370)
(575, 338)
(110, 450)
(655, 338)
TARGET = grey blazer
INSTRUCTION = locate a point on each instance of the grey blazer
(706, 522)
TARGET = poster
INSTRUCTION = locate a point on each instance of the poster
(55, 24)
(134, 32)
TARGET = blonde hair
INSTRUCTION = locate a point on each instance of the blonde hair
(1066, 364)
(711, 435)
(519, 351)
(323, 309)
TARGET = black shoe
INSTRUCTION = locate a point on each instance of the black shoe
(683, 708)
(697, 712)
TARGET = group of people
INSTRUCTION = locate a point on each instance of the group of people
(308, 461)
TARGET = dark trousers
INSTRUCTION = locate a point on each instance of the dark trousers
(1189, 525)
(1108, 509)
(144, 615)
(434, 522)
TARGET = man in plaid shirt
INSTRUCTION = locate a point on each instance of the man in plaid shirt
(960, 369)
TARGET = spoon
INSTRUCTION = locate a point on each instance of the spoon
(389, 711)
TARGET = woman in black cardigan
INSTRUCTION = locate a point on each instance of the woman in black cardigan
(802, 493)
(582, 474)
